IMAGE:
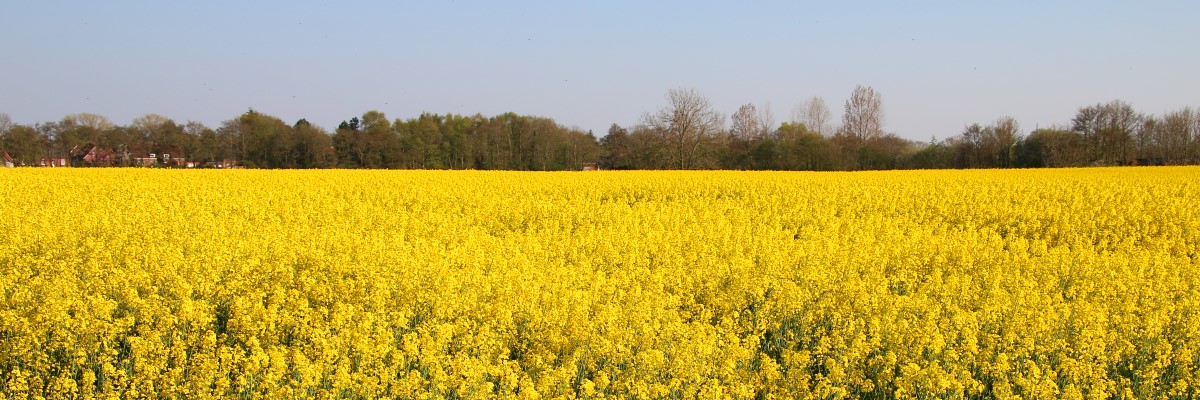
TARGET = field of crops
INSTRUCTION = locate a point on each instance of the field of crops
(1079, 283)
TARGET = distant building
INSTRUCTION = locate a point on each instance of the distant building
(177, 161)
(146, 160)
(54, 162)
(589, 167)
(226, 163)
(92, 156)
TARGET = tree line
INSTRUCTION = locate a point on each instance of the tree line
(686, 133)
(256, 140)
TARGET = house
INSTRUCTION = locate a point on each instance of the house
(8, 160)
(173, 157)
(94, 156)
(589, 167)
(158, 157)
(176, 162)
(99, 156)
(226, 163)
(146, 160)
(53, 162)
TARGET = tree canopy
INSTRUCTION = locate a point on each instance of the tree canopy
(687, 132)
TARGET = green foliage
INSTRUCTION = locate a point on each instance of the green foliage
(1103, 134)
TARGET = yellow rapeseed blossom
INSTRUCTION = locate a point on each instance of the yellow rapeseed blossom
(1074, 283)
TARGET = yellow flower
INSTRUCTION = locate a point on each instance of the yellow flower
(1074, 283)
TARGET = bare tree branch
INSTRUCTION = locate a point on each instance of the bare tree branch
(688, 126)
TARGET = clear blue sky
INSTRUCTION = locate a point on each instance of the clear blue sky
(939, 65)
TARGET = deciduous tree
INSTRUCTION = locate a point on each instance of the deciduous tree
(1109, 130)
(687, 129)
(5, 124)
(744, 123)
(815, 115)
(863, 118)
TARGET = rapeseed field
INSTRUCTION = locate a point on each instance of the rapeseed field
(1068, 283)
